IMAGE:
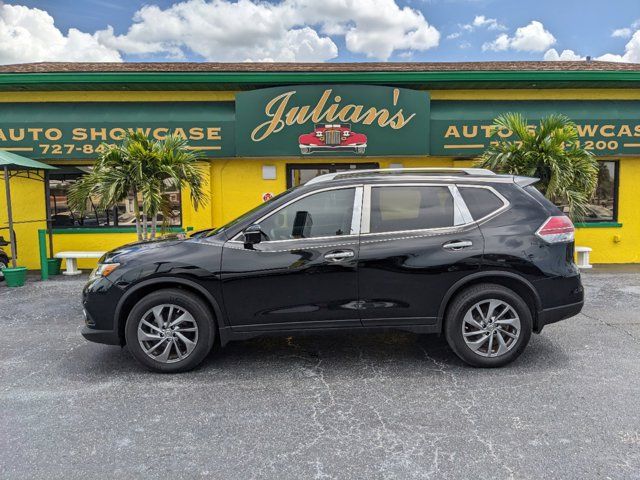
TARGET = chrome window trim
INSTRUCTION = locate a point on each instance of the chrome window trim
(273, 212)
(353, 241)
(460, 208)
(365, 210)
(461, 214)
(365, 224)
(407, 234)
(408, 171)
(356, 217)
(505, 202)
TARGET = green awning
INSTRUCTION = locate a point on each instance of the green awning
(13, 161)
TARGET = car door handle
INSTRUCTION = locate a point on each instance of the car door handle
(457, 245)
(339, 255)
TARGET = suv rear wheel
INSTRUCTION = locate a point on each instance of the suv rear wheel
(488, 325)
(170, 331)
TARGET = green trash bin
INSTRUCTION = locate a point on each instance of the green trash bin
(54, 265)
(15, 277)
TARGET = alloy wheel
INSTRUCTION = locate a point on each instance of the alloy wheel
(491, 328)
(167, 333)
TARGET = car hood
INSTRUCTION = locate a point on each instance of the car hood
(193, 257)
(132, 250)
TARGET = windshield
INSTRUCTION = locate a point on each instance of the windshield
(245, 215)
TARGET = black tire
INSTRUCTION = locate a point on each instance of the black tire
(467, 299)
(186, 301)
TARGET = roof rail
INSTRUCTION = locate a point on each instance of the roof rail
(404, 171)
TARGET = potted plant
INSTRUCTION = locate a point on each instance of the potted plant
(13, 276)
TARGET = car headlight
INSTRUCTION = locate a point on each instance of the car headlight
(103, 270)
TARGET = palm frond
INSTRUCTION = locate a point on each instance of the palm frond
(568, 174)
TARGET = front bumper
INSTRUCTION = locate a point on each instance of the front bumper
(108, 337)
(99, 299)
(328, 148)
(96, 335)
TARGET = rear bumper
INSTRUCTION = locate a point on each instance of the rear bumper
(553, 315)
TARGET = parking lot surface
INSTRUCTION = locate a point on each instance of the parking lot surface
(340, 406)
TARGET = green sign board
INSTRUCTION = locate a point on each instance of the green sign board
(332, 120)
(77, 130)
(463, 128)
(312, 121)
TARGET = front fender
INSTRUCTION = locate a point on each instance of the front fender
(145, 286)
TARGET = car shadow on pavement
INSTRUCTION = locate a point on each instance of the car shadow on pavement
(402, 354)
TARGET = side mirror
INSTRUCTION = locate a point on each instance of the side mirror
(252, 235)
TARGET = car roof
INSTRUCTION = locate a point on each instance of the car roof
(418, 175)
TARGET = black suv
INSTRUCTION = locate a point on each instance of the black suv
(483, 258)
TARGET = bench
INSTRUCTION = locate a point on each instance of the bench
(583, 257)
(72, 260)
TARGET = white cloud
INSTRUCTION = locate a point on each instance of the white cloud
(621, 33)
(530, 38)
(566, 55)
(631, 52)
(479, 21)
(29, 35)
(226, 30)
(291, 30)
(489, 23)
(502, 42)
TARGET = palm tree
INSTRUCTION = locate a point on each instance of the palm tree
(144, 169)
(551, 152)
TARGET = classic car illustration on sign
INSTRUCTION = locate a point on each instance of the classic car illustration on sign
(331, 138)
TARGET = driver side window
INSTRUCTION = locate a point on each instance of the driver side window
(322, 214)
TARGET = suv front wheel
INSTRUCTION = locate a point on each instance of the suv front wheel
(170, 331)
(488, 325)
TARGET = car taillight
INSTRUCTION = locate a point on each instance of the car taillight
(556, 229)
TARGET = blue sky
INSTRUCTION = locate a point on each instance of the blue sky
(295, 30)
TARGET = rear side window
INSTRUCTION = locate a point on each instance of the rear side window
(480, 201)
(395, 209)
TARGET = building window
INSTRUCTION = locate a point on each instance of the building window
(604, 204)
(119, 216)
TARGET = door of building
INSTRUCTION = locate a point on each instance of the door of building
(299, 174)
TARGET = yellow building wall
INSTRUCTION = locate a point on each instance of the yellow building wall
(28, 201)
(238, 185)
(618, 244)
(28, 204)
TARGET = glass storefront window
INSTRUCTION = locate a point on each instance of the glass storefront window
(118, 216)
(604, 204)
